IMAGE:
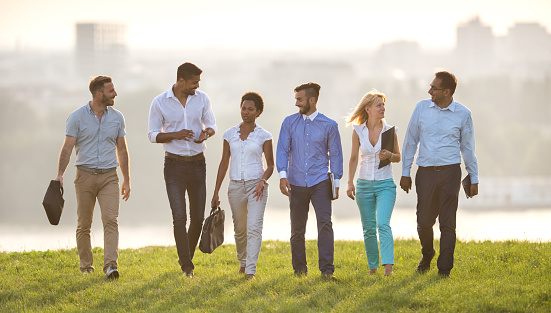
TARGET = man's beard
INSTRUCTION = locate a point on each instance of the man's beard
(107, 101)
(305, 109)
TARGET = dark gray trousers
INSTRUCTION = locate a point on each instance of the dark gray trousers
(300, 200)
(437, 196)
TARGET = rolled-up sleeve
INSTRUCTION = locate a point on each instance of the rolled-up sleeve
(208, 115)
(155, 125)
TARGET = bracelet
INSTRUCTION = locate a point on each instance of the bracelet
(207, 135)
(265, 181)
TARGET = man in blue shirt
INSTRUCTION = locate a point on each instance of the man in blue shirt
(309, 146)
(97, 133)
(443, 130)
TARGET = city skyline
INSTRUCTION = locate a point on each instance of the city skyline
(245, 24)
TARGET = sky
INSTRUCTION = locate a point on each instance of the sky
(257, 24)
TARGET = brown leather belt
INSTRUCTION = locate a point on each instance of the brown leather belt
(96, 171)
(438, 168)
(184, 158)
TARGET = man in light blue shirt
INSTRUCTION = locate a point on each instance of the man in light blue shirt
(309, 146)
(97, 132)
(443, 130)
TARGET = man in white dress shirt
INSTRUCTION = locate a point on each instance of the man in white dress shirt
(181, 118)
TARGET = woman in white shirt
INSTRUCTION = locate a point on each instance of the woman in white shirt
(375, 190)
(242, 152)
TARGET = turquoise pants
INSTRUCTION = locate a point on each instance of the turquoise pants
(375, 199)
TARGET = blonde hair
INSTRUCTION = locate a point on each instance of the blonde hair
(359, 115)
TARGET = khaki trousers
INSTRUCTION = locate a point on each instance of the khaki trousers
(104, 188)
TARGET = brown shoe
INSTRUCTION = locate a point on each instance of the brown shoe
(249, 276)
(329, 276)
(242, 270)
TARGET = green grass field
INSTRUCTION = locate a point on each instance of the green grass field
(511, 276)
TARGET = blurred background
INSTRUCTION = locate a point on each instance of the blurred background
(499, 51)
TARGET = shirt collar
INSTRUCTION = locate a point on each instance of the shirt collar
(450, 107)
(92, 112)
(238, 127)
(311, 117)
(171, 94)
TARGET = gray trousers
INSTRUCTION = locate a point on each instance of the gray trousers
(248, 220)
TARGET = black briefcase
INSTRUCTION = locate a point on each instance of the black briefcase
(53, 202)
(213, 231)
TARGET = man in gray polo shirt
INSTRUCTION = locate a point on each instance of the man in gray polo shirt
(97, 131)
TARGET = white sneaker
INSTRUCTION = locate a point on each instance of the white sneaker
(111, 273)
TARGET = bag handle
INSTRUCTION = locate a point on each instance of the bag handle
(57, 182)
(214, 209)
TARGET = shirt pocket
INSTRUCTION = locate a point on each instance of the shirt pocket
(110, 131)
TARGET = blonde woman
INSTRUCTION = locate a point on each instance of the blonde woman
(375, 190)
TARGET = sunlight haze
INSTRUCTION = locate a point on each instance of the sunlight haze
(245, 24)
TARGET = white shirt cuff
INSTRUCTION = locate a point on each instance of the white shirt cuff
(282, 174)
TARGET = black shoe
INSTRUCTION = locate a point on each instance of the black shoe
(443, 275)
(301, 273)
(188, 273)
(424, 264)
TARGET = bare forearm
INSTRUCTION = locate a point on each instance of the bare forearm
(395, 158)
(64, 159)
(222, 170)
(268, 172)
(124, 163)
(352, 166)
(165, 137)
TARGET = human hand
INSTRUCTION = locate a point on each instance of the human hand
(202, 136)
(474, 190)
(258, 192)
(125, 190)
(385, 155)
(59, 178)
(351, 191)
(215, 202)
(285, 187)
(184, 134)
(405, 183)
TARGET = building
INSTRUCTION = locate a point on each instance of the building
(475, 47)
(101, 48)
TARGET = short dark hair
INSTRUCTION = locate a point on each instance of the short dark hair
(187, 70)
(256, 98)
(98, 83)
(311, 89)
(448, 80)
